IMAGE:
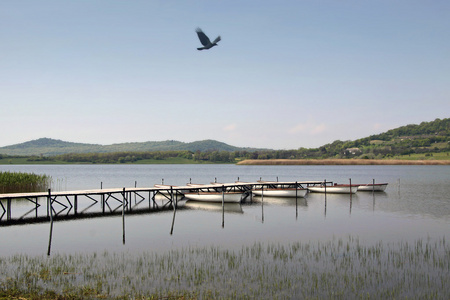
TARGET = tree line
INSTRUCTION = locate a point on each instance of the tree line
(426, 138)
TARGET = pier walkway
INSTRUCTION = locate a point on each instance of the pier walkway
(67, 202)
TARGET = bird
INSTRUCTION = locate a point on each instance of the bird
(205, 40)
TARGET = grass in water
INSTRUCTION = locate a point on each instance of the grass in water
(16, 182)
(338, 269)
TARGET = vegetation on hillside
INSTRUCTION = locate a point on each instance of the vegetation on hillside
(428, 140)
(51, 147)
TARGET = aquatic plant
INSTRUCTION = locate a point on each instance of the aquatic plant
(16, 182)
(335, 269)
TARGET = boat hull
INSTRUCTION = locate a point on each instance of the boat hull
(215, 197)
(335, 189)
(281, 192)
(377, 187)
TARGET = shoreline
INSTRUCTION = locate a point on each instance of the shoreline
(341, 162)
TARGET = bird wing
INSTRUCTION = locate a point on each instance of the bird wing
(203, 38)
(216, 40)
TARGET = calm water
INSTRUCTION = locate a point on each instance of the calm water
(416, 205)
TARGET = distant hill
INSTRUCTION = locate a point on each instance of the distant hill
(421, 139)
(50, 147)
(414, 139)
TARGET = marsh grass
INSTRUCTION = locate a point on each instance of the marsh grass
(18, 182)
(340, 269)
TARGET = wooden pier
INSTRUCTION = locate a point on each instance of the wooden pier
(67, 202)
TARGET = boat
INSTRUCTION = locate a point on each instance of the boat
(334, 189)
(372, 187)
(291, 192)
(228, 197)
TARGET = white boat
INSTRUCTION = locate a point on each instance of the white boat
(292, 192)
(376, 187)
(334, 189)
(228, 197)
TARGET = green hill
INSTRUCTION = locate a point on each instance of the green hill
(424, 139)
(413, 141)
(51, 147)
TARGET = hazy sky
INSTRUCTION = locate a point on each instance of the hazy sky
(287, 74)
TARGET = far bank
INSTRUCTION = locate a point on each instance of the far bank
(286, 162)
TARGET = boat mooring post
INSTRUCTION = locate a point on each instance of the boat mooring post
(50, 204)
(123, 216)
(102, 198)
(350, 188)
(262, 193)
(223, 206)
(296, 200)
(373, 185)
(174, 209)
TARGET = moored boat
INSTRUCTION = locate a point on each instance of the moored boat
(229, 197)
(166, 189)
(292, 192)
(376, 187)
(334, 189)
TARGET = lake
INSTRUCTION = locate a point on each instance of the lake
(415, 205)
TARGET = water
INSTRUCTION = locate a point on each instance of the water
(416, 205)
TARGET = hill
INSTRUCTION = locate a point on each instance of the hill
(420, 141)
(51, 147)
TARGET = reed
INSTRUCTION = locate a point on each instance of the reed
(342, 269)
(17, 182)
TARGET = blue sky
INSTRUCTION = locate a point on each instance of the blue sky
(287, 74)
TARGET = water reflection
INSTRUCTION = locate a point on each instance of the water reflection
(415, 206)
(217, 207)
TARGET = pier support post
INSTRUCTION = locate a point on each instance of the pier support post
(174, 210)
(75, 204)
(49, 202)
(8, 209)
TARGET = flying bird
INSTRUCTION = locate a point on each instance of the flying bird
(205, 40)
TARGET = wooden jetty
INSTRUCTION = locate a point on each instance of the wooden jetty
(57, 202)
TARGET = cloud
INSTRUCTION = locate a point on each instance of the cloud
(377, 126)
(310, 127)
(230, 127)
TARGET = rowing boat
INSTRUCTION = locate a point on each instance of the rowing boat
(334, 189)
(376, 187)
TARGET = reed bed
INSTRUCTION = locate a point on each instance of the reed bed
(18, 182)
(338, 269)
(342, 162)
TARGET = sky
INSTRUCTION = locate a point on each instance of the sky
(286, 74)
